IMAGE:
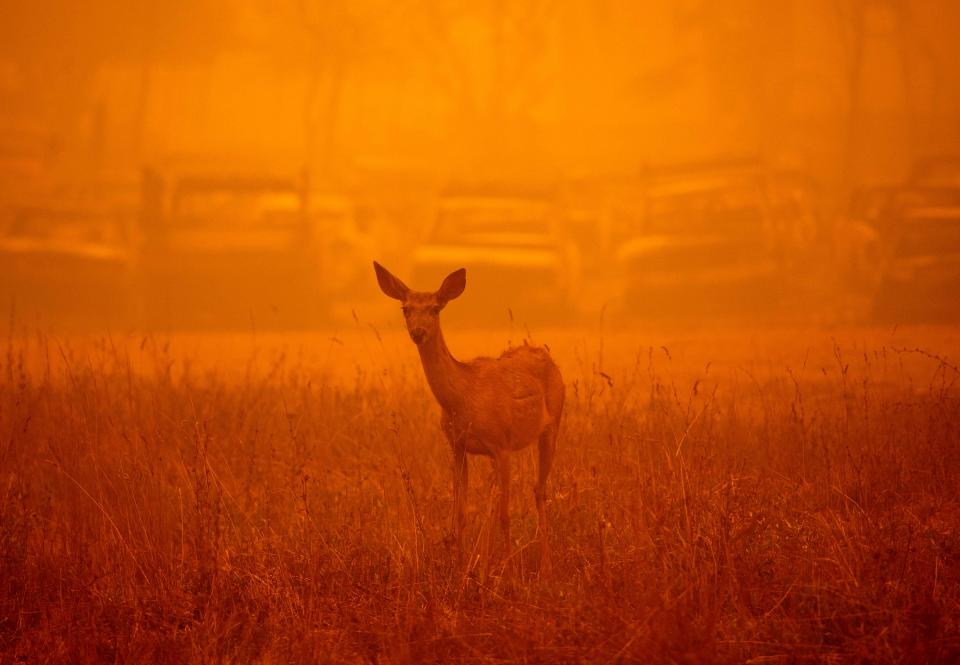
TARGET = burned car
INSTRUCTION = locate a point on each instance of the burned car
(227, 250)
(919, 259)
(68, 262)
(716, 243)
(512, 245)
(940, 171)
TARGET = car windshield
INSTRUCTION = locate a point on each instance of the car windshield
(238, 209)
(492, 223)
(64, 226)
(939, 173)
(928, 197)
(727, 211)
(930, 231)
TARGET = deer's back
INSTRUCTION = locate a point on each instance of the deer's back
(520, 371)
(513, 399)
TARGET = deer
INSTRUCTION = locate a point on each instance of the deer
(491, 407)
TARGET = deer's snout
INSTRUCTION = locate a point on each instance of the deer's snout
(418, 335)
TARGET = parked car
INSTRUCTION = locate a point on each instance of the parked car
(65, 265)
(511, 242)
(717, 242)
(941, 171)
(228, 250)
(67, 261)
(919, 265)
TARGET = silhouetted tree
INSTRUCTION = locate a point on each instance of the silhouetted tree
(58, 46)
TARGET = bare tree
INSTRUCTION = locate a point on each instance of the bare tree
(851, 21)
(488, 58)
(59, 46)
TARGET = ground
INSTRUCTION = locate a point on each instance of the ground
(720, 495)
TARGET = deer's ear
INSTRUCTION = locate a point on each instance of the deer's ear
(389, 284)
(452, 286)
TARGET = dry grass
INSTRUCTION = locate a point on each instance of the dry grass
(795, 505)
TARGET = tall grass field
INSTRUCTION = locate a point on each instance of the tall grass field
(762, 496)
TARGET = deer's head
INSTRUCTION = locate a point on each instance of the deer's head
(421, 309)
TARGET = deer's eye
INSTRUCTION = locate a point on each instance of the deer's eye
(435, 309)
(406, 310)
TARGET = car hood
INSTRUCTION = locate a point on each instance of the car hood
(265, 241)
(905, 266)
(683, 252)
(515, 257)
(92, 251)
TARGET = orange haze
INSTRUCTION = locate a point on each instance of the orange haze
(734, 226)
(224, 163)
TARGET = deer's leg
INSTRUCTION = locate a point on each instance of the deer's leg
(502, 463)
(547, 448)
(459, 497)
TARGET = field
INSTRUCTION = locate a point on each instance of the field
(767, 496)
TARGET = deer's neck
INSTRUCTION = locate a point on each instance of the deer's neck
(445, 374)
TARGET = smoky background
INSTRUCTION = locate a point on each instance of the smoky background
(224, 164)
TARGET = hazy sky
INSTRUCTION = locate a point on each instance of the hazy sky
(845, 88)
